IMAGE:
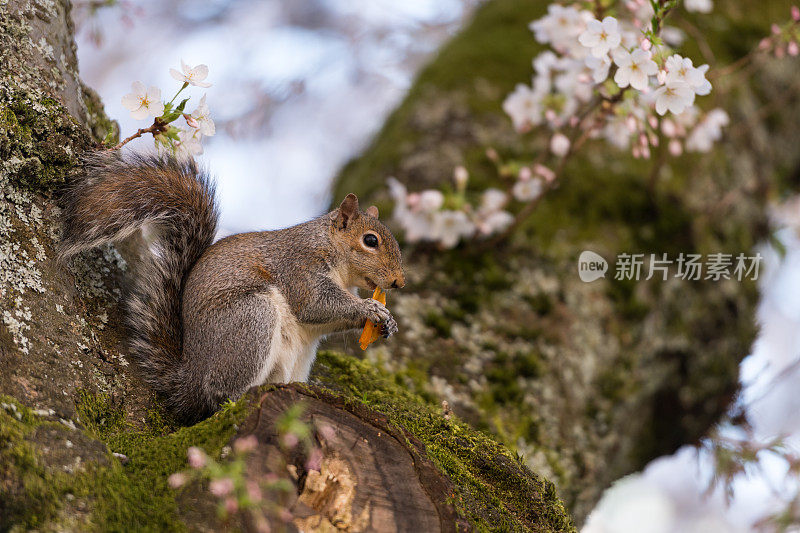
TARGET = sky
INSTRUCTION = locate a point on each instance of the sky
(300, 87)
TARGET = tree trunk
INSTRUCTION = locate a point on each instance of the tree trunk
(69, 398)
(589, 381)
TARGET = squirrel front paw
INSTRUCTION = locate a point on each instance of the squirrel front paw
(378, 314)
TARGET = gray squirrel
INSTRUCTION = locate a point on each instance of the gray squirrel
(209, 321)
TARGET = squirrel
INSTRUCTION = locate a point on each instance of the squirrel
(209, 321)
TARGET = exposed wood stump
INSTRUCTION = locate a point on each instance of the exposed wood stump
(372, 476)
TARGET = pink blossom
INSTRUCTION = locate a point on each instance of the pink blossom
(245, 444)
(646, 44)
(675, 147)
(314, 461)
(792, 48)
(290, 440)
(796, 13)
(231, 506)
(176, 480)
(221, 487)
(765, 43)
(197, 457)
(547, 174)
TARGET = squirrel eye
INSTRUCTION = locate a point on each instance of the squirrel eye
(371, 240)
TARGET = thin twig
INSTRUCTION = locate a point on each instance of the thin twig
(155, 129)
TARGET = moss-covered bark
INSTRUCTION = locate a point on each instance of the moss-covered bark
(587, 381)
(69, 398)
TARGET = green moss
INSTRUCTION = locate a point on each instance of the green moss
(133, 497)
(99, 413)
(494, 490)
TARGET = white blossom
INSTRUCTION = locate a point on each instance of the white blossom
(699, 6)
(188, 145)
(191, 75)
(492, 200)
(451, 226)
(430, 200)
(202, 115)
(524, 107)
(673, 96)
(495, 222)
(143, 102)
(707, 132)
(601, 37)
(634, 69)
(559, 144)
(680, 69)
(599, 67)
(560, 27)
(527, 190)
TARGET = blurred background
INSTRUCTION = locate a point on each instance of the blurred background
(301, 86)
(298, 87)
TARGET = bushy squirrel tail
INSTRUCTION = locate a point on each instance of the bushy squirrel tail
(117, 196)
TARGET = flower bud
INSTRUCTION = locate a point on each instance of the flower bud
(460, 177)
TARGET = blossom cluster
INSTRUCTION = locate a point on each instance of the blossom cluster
(260, 498)
(623, 60)
(144, 102)
(784, 39)
(432, 216)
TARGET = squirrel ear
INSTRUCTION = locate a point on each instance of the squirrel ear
(372, 211)
(348, 211)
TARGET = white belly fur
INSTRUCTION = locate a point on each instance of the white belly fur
(293, 346)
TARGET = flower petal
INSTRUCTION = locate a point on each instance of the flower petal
(131, 101)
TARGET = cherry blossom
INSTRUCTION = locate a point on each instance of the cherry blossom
(559, 144)
(188, 145)
(527, 190)
(143, 101)
(191, 75)
(707, 131)
(451, 226)
(673, 96)
(599, 67)
(524, 107)
(699, 6)
(560, 26)
(495, 222)
(202, 117)
(492, 200)
(681, 69)
(634, 69)
(601, 37)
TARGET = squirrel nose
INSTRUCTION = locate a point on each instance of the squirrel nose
(398, 283)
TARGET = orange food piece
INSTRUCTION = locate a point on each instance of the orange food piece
(371, 331)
